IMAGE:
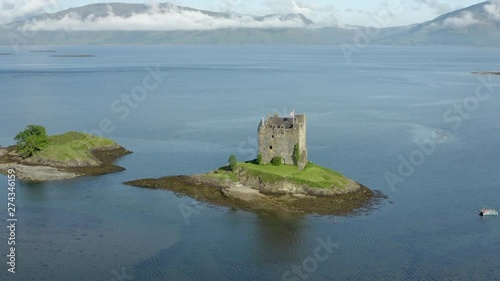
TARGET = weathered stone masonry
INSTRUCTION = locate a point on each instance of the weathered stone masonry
(278, 137)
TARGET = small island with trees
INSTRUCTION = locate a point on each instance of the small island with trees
(280, 178)
(38, 157)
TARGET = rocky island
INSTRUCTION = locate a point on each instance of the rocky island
(254, 187)
(487, 73)
(281, 178)
(60, 157)
(74, 56)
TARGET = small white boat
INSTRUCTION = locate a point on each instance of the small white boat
(488, 212)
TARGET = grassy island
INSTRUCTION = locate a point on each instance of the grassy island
(280, 178)
(313, 175)
(73, 146)
(63, 156)
(255, 187)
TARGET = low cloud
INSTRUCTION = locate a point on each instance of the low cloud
(464, 20)
(493, 10)
(438, 7)
(291, 6)
(322, 15)
(157, 19)
(12, 10)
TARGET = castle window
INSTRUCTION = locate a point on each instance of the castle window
(271, 147)
(273, 136)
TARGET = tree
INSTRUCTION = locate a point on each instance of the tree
(296, 154)
(277, 161)
(233, 162)
(259, 159)
(33, 139)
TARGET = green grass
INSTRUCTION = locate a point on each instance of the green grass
(72, 146)
(313, 175)
(224, 174)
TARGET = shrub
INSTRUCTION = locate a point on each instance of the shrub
(33, 139)
(259, 159)
(233, 162)
(296, 154)
(277, 161)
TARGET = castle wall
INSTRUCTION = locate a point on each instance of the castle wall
(274, 141)
(302, 141)
(282, 142)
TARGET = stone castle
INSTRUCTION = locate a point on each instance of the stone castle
(278, 137)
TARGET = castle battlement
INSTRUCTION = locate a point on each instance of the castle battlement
(278, 136)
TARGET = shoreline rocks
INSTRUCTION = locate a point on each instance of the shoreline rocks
(40, 170)
(287, 187)
(246, 197)
(37, 173)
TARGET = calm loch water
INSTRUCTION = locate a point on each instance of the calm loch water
(364, 117)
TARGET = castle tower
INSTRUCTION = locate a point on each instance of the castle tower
(278, 137)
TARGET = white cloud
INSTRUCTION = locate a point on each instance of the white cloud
(12, 10)
(493, 10)
(464, 20)
(322, 15)
(436, 6)
(171, 18)
(289, 6)
(228, 6)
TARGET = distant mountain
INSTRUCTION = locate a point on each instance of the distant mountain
(119, 23)
(475, 25)
(164, 17)
(124, 10)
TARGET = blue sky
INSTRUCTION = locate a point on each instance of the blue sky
(357, 12)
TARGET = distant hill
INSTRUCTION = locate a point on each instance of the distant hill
(119, 23)
(475, 25)
(160, 17)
